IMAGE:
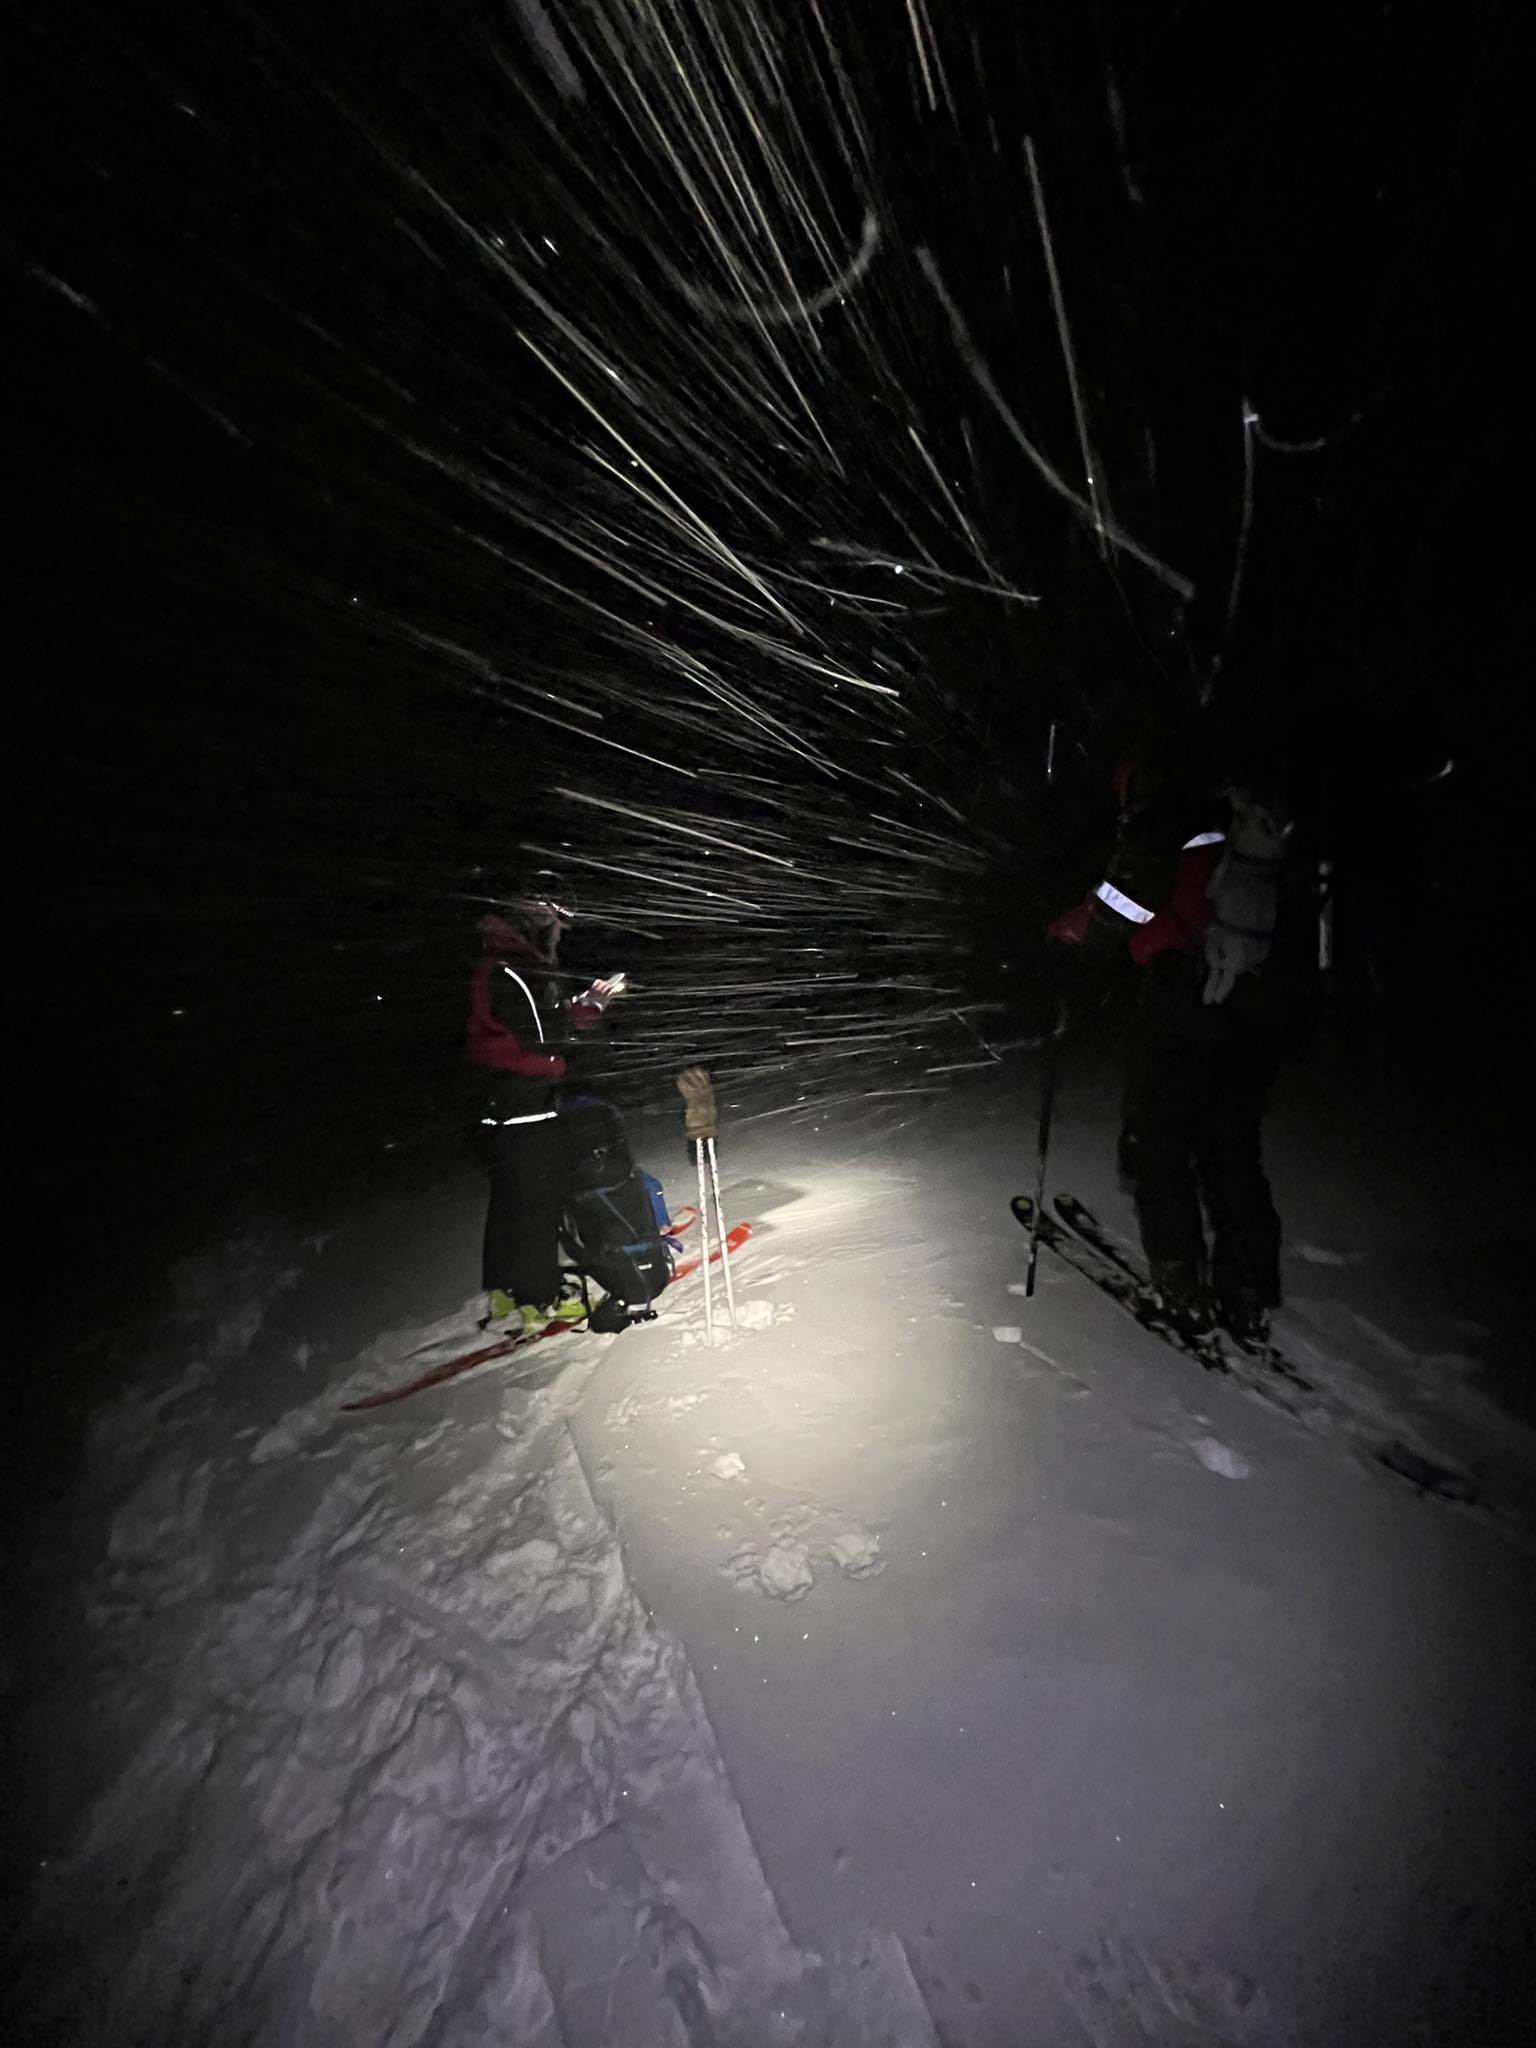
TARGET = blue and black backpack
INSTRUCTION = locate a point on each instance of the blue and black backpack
(614, 1216)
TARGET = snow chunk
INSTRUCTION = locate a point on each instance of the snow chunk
(1008, 1333)
(755, 1315)
(728, 1466)
(342, 1672)
(856, 1551)
(1220, 1458)
(785, 1572)
(782, 1572)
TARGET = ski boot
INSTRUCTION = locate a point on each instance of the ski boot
(1242, 1313)
(569, 1306)
(1182, 1297)
(504, 1312)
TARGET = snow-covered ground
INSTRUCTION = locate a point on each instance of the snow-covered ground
(920, 1664)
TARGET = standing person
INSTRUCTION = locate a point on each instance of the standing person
(518, 1021)
(1190, 896)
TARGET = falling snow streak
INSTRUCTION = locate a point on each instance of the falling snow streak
(1046, 470)
(1068, 351)
(1240, 555)
(611, 356)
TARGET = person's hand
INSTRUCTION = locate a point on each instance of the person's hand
(1068, 929)
(602, 993)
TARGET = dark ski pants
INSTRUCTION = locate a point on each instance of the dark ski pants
(1193, 1112)
(522, 1220)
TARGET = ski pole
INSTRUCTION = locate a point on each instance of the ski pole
(701, 1122)
(1047, 1106)
(709, 1306)
(724, 1234)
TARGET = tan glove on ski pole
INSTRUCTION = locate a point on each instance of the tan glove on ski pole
(701, 1118)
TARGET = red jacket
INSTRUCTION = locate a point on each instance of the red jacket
(1179, 923)
(512, 1021)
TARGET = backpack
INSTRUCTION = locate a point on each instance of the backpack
(615, 1215)
(1244, 894)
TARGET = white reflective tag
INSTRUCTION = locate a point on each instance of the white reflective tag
(1107, 893)
(538, 1024)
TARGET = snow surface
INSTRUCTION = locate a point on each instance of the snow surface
(920, 1663)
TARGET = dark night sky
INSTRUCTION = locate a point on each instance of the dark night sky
(280, 441)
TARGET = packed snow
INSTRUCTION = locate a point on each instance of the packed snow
(921, 1662)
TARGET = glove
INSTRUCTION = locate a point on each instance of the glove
(1228, 956)
(1068, 929)
(700, 1117)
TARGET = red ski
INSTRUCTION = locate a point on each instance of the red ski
(733, 1243)
(503, 1347)
(683, 1221)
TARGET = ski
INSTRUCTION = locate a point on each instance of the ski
(1077, 1237)
(451, 1368)
(1116, 1277)
(677, 1227)
(505, 1347)
(1080, 1219)
(738, 1236)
